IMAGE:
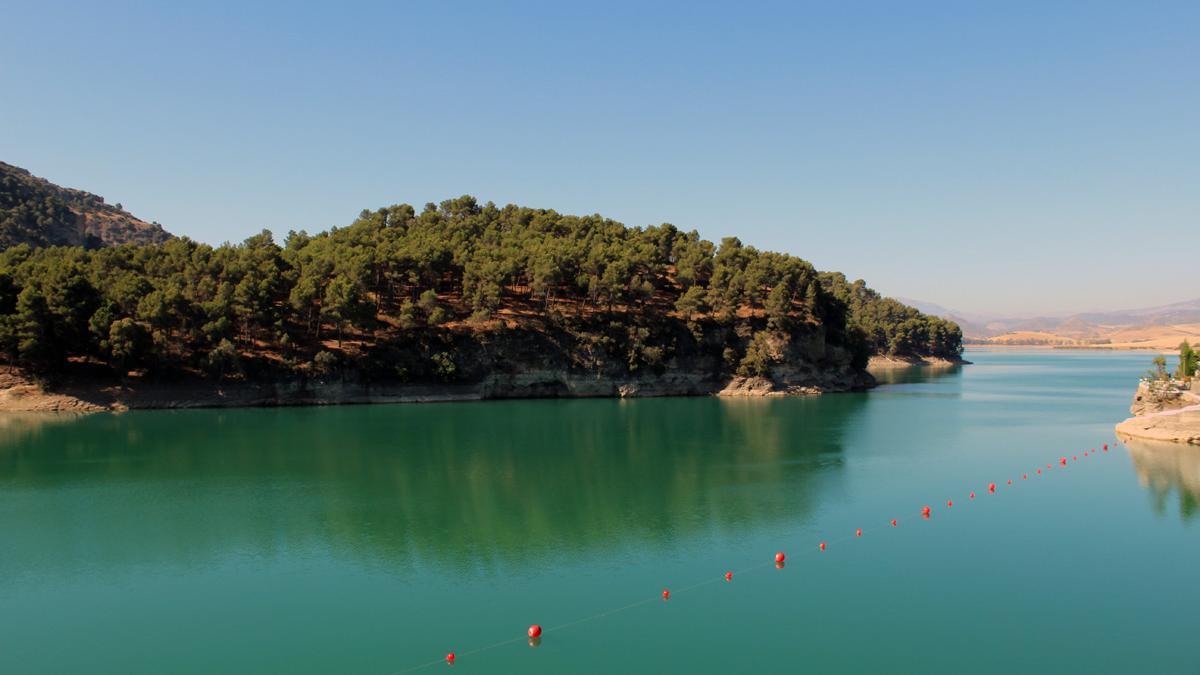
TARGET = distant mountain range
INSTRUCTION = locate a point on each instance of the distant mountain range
(1161, 326)
(37, 212)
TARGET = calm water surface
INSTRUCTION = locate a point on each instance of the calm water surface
(375, 539)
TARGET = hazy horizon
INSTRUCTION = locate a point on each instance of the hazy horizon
(996, 160)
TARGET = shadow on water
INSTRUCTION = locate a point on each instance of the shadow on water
(470, 484)
(1164, 468)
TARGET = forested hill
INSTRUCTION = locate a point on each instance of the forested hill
(890, 327)
(458, 292)
(37, 212)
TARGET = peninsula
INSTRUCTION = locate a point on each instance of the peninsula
(456, 300)
(1166, 407)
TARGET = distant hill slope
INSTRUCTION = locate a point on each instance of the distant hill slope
(37, 212)
(1158, 327)
(971, 325)
(1187, 311)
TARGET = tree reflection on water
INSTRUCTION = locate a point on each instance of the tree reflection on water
(1164, 468)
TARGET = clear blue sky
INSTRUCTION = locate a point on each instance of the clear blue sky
(1038, 156)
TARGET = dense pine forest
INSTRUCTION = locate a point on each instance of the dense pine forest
(453, 293)
(386, 296)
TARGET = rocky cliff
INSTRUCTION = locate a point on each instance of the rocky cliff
(1164, 413)
(510, 364)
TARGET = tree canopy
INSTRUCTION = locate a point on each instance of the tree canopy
(1188, 360)
(397, 279)
(889, 326)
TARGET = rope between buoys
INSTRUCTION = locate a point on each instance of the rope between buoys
(923, 514)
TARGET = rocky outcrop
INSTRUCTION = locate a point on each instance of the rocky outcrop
(1163, 413)
(1182, 427)
(1156, 397)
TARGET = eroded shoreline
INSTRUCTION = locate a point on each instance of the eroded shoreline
(21, 395)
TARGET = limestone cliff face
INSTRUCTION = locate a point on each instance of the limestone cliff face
(511, 364)
(1163, 414)
(1148, 400)
(520, 364)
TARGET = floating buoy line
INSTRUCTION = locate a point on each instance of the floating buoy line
(535, 631)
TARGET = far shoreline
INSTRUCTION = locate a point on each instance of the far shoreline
(1064, 348)
(892, 362)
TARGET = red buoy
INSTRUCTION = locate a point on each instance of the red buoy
(821, 546)
(972, 495)
(1024, 476)
(1063, 461)
(992, 488)
(926, 511)
(949, 503)
(1074, 458)
(1039, 472)
(535, 631)
(1106, 447)
(780, 557)
(450, 657)
(858, 532)
(893, 522)
(666, 594)
(1010, 481)
(729, 576)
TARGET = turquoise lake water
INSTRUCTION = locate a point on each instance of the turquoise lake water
(376, 539)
